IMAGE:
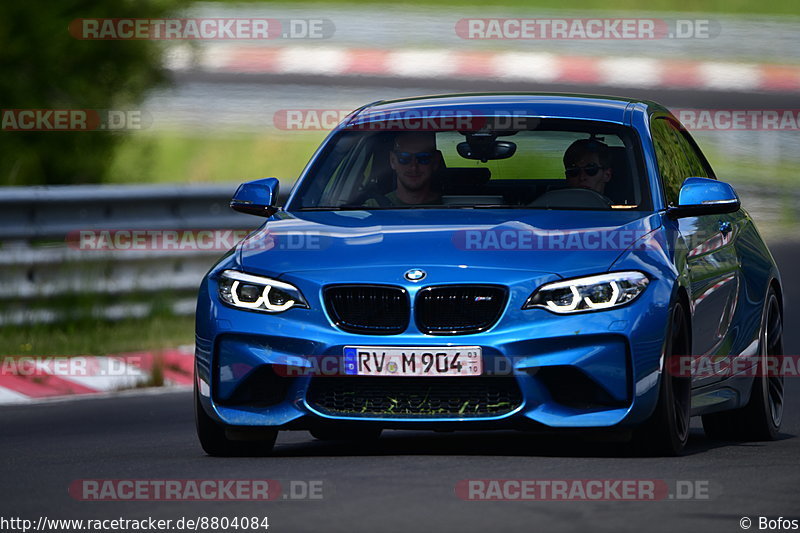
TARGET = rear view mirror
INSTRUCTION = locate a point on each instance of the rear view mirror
(484, 146)
(704, 196)
(256, 197)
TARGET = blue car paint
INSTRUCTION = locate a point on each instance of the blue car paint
(620, 348)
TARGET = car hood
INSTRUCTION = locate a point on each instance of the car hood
(565, 243)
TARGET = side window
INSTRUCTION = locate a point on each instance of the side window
(348, 174)
(670, 156)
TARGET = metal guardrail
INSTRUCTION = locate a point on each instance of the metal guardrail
(43, 277)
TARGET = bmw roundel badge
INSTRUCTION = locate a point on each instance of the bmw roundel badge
(415, 274)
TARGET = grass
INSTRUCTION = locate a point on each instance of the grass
(97, 337)
(739, 7)
(748, 171)
(185, 157)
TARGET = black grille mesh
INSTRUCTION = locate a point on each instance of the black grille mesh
(414, 397)
(459, 309)
(374, 310)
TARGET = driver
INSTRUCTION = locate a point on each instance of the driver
(587, 165)
(415, 160)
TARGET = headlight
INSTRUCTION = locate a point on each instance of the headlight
(590, 293)
(257, 293)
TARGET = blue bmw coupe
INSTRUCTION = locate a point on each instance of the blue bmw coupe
(493, 261)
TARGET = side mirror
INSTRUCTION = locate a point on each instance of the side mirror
(704, 196)
(256, 197)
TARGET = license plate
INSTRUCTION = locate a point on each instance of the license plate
(413, 361)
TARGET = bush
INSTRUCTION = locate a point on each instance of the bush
(47, 68)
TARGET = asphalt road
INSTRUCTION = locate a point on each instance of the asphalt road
(405, 482)
(327, 90)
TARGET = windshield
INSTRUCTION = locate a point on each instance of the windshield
(545, 164)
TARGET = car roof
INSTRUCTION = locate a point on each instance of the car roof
(557, 105)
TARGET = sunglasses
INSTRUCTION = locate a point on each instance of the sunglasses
(590, 170)
(423, 158)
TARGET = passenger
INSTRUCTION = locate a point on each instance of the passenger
(587, 165)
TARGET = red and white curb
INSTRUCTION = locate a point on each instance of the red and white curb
(30, 379)
(537, 67)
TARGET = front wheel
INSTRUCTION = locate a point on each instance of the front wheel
(761, 418)
(667, 430)
(216, 441)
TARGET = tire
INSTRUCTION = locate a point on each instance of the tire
(214, 437)
(761, 418)
(345, 434)
(666, 432)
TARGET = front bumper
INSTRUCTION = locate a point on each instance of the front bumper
(592, 370)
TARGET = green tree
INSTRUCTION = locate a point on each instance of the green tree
(45, 67)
